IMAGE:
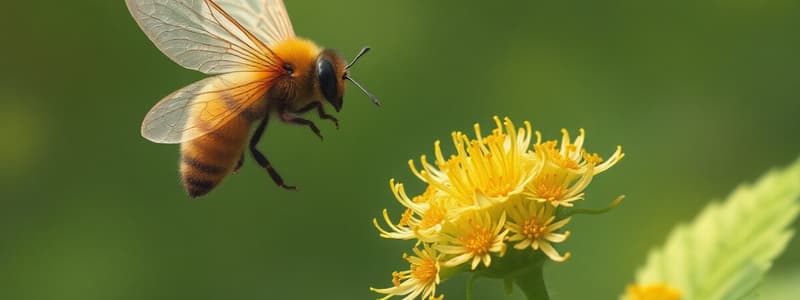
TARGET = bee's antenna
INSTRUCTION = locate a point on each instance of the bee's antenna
(347, 76)
(370, 95)
(360, 53)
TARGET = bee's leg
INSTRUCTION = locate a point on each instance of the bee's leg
(289, 118)
(323, 115)
(239, 164)
(262, 160)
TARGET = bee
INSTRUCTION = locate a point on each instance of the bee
(259, 67)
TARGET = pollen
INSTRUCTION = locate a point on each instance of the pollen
(533, 230)
(396, 277)
(426, 271)
(549, 191)
(478, 241)
(406, 217)
(498, 187)
(425, 196)
(593, 158)
(555, 156)
(433, 216)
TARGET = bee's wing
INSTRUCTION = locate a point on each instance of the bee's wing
(267, 19)
(200, 35)
(204, 106)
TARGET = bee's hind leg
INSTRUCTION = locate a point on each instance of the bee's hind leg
(262, 160)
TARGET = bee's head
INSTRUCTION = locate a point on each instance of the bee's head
(331, 73)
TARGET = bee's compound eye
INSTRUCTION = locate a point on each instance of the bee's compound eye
(328, 82)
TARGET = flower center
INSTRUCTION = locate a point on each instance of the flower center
(426, 271)
(433, 216)
(553, 155)
(532, 230)
(406, 218)
(425, 196)
(497, 187)
(478, 241)
(550, 186)
(550, 192)
(492, 166)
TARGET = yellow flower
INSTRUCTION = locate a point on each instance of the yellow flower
(656, 291)
(485, 171)
(420, 280)
(422, 219)
(461, 217)
(532, 226)
(474, 237)
(567, 170)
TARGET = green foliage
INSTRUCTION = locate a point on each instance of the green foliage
(778, 285)
(730, 246)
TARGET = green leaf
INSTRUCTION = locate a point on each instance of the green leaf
(779, 285)
(725, 252)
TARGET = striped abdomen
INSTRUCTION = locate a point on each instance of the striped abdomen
(206, 160)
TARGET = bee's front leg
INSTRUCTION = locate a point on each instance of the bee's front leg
(323, 115)
(290, 118)
(321, 110)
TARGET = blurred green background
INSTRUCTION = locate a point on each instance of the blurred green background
(701, 94)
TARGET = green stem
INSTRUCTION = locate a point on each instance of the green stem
(531, 282)
(589, 211)
(470, 283)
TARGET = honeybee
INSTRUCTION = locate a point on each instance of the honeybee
(261, 68)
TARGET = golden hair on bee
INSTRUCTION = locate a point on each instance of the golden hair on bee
(260, 68)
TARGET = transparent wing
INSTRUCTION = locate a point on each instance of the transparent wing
(266, 19)
(204, 106)
(200, 35)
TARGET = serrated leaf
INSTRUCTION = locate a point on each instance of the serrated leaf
(726, 251)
